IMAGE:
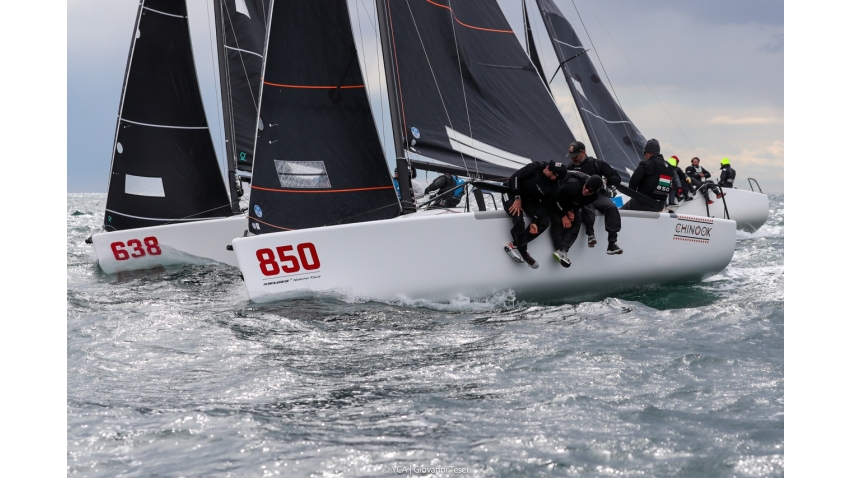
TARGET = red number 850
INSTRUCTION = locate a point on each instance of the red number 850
(288, 263)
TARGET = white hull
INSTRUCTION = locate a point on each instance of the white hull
(369, 260)
(748, 209)
(198, 242)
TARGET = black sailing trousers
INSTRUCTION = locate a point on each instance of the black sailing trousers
(563, 239)
(520, 233)
(608, 209)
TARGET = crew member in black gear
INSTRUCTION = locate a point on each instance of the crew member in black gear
(727, 174)
(577, 192)
(700, 176)
(653, 178)
(442, 185)
(683, 189)
(589, 165)
(533, 187)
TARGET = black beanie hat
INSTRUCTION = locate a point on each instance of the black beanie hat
(594, 183)
(652, 146)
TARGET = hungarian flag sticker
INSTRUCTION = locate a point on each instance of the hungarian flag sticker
(664, 183)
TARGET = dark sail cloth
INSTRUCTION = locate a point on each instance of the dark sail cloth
(654, 178)
(569, 199)
(602, 203)
(535, 191)
(727, 176)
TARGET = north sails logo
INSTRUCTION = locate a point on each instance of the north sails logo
(693, 229)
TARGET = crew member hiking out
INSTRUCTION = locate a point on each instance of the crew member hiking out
(727, 174)
(653, 178)
(532, 187)
(590, 166)
(700, 177)
(577, 192)
(443, 184)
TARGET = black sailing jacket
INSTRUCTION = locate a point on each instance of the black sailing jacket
(653, 177)
(727, 176)
(531, 185)
(570, 198)
(591, 166)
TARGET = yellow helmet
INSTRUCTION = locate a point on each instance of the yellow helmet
(724, 161)
(672, 161)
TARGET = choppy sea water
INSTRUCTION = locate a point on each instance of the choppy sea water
(173, 372)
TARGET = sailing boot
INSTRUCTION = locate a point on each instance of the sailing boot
(513, 252)
(561, 257)
(613, 248)
(529, 260)
(591, 242)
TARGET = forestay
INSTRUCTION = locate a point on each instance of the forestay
(319, 160)
(469, 94)
(614, 137)
(164, 166)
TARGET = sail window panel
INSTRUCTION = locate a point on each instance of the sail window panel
(142, 186)
(302, 174)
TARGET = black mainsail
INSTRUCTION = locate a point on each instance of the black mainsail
(470, 96)
(242, 33)
(614, 137)
(164, 166)
(319, 160)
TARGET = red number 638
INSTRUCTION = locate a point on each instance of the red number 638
(307, 259)
(151, 246)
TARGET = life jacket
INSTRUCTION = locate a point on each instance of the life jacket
(459, 191)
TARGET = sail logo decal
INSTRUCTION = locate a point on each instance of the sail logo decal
(693, 229)
(466, 145)
(258, 211)
(289, 263)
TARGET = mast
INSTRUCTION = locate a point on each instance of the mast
(399, 133)
(227, 110)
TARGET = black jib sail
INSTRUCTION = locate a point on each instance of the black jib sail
(319, 160)
(243, 27)
(469, 94)
(614, 137)
(164, 166)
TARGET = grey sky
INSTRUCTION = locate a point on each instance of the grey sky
(705, 78)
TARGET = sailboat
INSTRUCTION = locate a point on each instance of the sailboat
(614, 136)
(167, 200)
(464, 97)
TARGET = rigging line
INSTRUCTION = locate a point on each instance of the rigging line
(395, 204)
(380, 71)
(436, 84)
(366, 72)
(219, 121)
(620, 112)
(241, 60)
(400, 96)
(173, 220)
(462, 86)
(642, 79)
(582, 130)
